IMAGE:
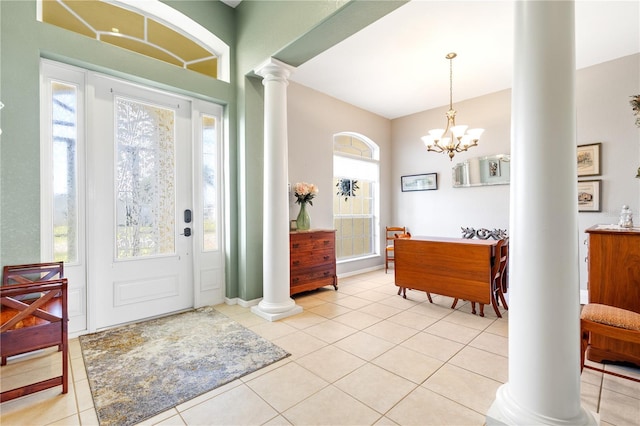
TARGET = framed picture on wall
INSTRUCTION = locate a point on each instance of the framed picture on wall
(423, 182)
(589, 195)
(589, 159)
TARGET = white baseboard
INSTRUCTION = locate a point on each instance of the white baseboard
(243, 303)
(360, 271)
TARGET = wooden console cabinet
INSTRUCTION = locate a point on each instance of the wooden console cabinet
(614, 279)
(312, 260)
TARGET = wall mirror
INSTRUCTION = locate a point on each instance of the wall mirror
(481, 171)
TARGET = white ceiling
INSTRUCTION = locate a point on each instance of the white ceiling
(396, 66)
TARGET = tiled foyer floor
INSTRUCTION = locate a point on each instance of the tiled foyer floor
(360, 356)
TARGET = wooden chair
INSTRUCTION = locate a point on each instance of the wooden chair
(608, 321)
(391, 234)
(500, 282)
(33, 316)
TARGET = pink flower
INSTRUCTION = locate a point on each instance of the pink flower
(305, 192)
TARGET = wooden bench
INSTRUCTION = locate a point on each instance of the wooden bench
(33, 316)
(608, 321)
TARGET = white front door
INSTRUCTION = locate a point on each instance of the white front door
(139, 188)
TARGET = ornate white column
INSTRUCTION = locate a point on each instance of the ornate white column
(544, 305)
(276, 302)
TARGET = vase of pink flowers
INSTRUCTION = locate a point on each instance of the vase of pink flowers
(304, 192)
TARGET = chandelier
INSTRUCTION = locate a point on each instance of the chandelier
(459, 139)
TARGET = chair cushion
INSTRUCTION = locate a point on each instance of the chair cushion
(612, 316)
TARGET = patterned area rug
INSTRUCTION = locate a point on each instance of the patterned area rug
(140, 370)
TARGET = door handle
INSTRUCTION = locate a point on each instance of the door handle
(187, 232)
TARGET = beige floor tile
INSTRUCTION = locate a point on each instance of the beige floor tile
(352, 302)
(249, 319)
(286, 386)
(265, 370)
(491, 343)
(501, 328)
(490, 365)
(73, 420)
(354, 288)
(330, 331)
(74, 348)
(273, 330)
(385, 421)
(423, 407)
(331, 406)
(619, 409)
(373, 295)
(591, 377)
(208, 395)
(89, 418)
(451, 331)
(620, 385)
(467, 319)
(412, 320)
(469, 389)
(238, 406)
(376, 387)
(408, 363)
(379, 310)
(399, 302)
(328, 294)
(163, 417)
(299, 344)
(304, 320)
(40, 408)
(589, 396)
(78, 369)
(433, 346)
(277, 421)
(329, 310)
(391, 332)
(231, 310)
(357, 319)
(330, 363)
(307, 300)
(364, 345)
(431, 310)
(84, 398)
(172, 421)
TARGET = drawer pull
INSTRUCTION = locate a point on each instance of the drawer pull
(295, 280)
(296, 262)
(326, 258)
(326, 274)
(296, 245)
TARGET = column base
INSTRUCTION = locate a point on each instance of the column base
(505, 411)
(276, 311)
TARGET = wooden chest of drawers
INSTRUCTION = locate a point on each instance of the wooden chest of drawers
(312, 260)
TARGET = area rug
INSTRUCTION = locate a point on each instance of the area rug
(140, 370)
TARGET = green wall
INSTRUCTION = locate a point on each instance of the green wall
(292, 31)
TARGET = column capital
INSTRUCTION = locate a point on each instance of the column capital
(273, 69)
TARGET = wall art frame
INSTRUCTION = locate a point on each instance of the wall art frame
(421, 182)
(588, 159)
(590, 195)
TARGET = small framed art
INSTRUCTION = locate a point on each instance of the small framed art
(589, 195)
(423, 182)
(589, 159)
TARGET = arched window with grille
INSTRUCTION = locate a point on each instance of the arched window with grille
(356, 175)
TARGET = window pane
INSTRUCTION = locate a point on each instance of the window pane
(145, 181)
(209, 184)
(64, 130)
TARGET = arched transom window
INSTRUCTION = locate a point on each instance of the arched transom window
(150, 28)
